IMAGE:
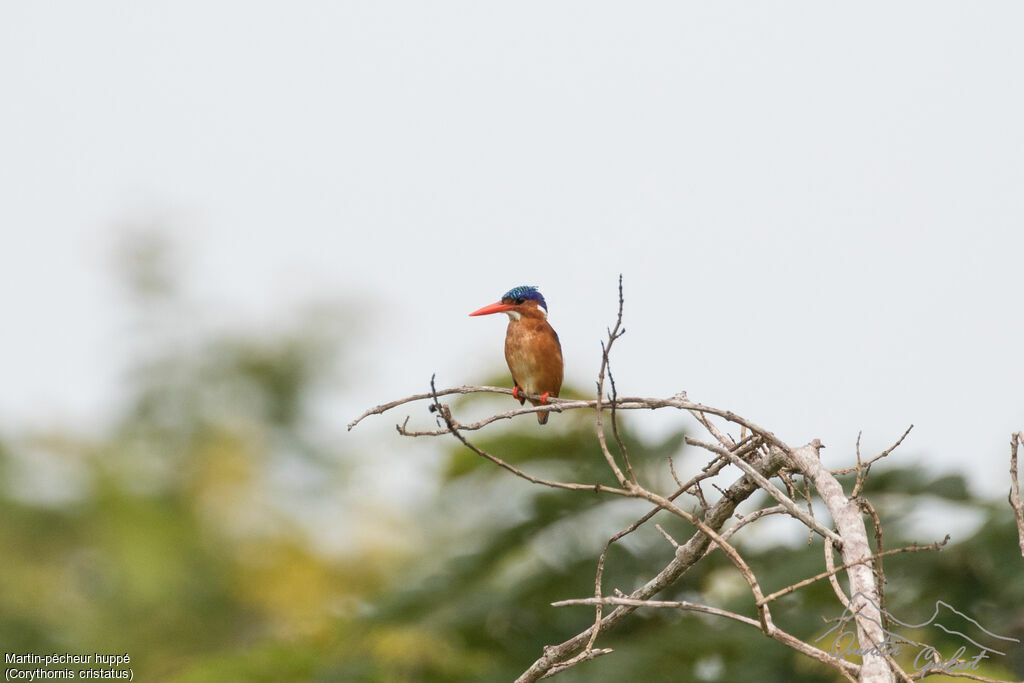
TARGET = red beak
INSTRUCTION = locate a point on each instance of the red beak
(493, 308)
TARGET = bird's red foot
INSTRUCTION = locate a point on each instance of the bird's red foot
(517, 394)
(544, 397)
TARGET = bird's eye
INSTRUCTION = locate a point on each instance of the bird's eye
(520, 300)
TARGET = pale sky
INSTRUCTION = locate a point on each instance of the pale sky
(818, 209)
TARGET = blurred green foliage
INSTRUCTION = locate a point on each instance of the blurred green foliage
(167, 536)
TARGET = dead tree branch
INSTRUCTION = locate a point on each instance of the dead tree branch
(867, 465)
(445, 414)
(1016, 439)
(864, 593)
(686, 556)
(846, 668)
(784, 500)
(832, 571)
(613, 334)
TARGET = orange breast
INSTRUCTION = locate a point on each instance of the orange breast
(534, 355)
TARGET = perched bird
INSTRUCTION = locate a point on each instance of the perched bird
(532, 350)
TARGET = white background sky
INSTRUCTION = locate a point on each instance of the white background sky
(817, 209)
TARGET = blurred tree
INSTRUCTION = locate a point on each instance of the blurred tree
(176, 535)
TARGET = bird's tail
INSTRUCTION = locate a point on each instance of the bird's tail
(542, 416)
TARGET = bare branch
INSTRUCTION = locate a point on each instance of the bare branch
(675, 604)
(846, 516)
(554, 405)
(956, 674)
(668, 536)
(864, 560)
(744, 447)
(844, 666)
(791, 507)
(445, 414)
(384, 407)
(742, 450)
(615, 428)
(584, 656)
(726, 547)
(686, 556)
(858, 467)
(830, 565)
(1015, 502)
(879, 571)
(613, 334)
(744, 520)
(810, 506)
(722, 438)
(678, 401)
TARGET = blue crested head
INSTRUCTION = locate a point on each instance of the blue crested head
(524, 292)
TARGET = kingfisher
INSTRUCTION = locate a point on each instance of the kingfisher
(532, 349)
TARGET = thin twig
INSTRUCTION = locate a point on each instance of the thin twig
(845, 667)
(712, 468)
(584, 656)
(724, 439)
(613, 334)
(698, 493)
(668, 536)
(670, 604)
(772, 490)
(810, 505)
(865, 469)
(615, 427)
(599, 608)
(445, 414)
(384, 407)
(869, 463)
(556, 405)
(806, 582)
(744, 520)
(954, 674)
(672, 471)
(830, 566)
